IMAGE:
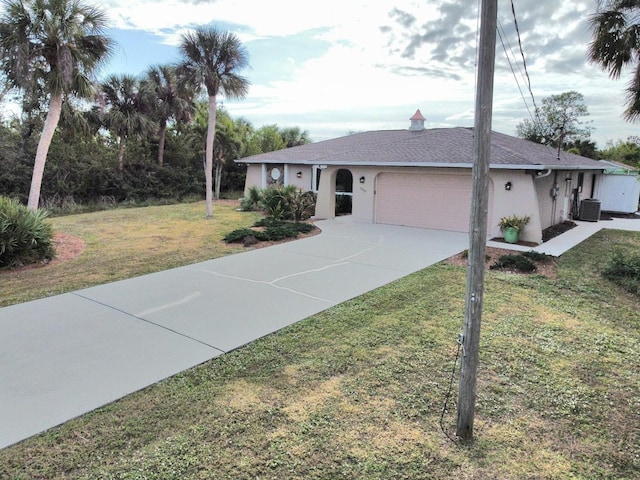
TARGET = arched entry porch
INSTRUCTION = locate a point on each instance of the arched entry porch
(344, 192)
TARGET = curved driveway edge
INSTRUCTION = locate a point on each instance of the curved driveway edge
(63, 356)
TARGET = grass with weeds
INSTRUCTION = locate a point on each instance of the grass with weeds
(625, 271)
(124, 243)
(357, 391)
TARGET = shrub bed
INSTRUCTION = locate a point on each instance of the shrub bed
(281, 203)
(269, 230)
(517, 262)
(537, 256)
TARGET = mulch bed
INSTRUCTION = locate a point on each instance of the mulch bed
(547, 233)
(67, 248)
(546, 268)
(555, 230)
(262, 244)
(612, 215)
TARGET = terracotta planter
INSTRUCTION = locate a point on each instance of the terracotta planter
(511, 235)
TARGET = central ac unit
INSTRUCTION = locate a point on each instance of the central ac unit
(589, 210)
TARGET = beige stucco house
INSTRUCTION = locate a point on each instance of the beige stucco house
(422, 178)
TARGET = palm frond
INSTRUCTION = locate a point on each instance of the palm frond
(55, 41)
(616, 45)
(212, 59)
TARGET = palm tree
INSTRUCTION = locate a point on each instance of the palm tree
(293, 136)
(172, 101)
(211, 61)
(616, 45)
(53, 45)
(126, 103)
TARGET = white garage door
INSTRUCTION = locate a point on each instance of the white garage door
(424, 200)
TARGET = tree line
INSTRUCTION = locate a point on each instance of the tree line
(615, 47)
(160, 135)
(83, 167)
(560, 123)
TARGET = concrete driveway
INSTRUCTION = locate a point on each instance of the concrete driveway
(63, 356)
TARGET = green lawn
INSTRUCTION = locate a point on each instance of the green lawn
(124, 243)
(357, 391)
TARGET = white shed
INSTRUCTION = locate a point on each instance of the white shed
(619, 189)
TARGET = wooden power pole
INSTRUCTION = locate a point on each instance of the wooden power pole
(478, 221)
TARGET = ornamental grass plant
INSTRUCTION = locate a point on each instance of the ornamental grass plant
(25, 235)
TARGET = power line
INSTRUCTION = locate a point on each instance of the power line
(447, 396)
(506, 39)
(524, 61)
(527, 77)
(475, 66)
(502, 41)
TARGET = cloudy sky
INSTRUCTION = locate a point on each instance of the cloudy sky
(339, 66)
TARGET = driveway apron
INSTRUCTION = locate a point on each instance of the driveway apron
(66, 355)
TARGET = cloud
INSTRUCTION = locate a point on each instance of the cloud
(405, 19)
(444, 34)
(553, 36)
(420, 71)
(334, 66)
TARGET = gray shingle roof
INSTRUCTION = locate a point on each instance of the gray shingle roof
(446, 147)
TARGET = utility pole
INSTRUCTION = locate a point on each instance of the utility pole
(478, 221)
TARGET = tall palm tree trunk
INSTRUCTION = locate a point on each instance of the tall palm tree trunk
(163, 136)
(121, 153)
(208, 171)
(218, 178)
(50, 124)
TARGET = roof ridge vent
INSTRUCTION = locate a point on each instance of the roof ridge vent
(417, 121)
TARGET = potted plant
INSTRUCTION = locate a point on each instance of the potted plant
(511, 227)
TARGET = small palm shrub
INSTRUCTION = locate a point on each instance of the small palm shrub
(274, 201)
(301, 205)
(25, 237)
(252, 199)
(625, 271)
(288, 203)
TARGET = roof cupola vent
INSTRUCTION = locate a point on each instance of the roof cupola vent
(417, 121)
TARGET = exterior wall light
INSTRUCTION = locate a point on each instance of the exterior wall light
(361, 179)
(299, 174)
(507, 186)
